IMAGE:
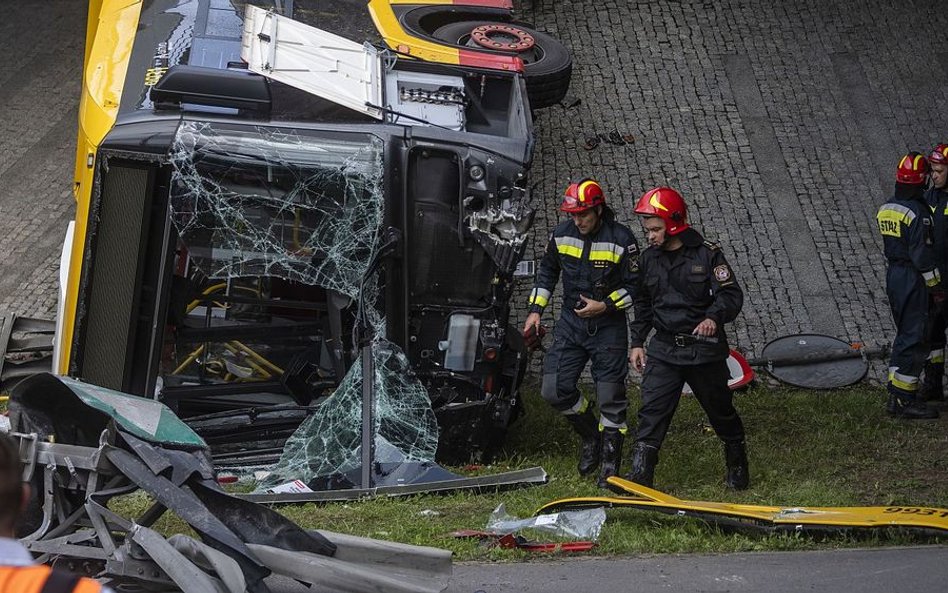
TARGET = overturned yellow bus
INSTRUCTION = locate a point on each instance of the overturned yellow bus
(260, 193)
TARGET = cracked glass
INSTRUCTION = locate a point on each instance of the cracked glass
(273, 202)
(329, 443)
(255, 204)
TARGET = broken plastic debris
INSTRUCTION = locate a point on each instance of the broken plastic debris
(429, 513)
(294, 487)
(614, 137)
(510, 540)
(585, 524)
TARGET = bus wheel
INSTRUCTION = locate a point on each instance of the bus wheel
(547, 65)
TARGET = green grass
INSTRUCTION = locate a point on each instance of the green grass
(806, 448)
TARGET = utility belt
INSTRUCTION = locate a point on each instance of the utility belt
(683, 340)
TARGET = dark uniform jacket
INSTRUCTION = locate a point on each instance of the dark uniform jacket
(937, 200)
(600, 266)
(907, 237)
(677, 291)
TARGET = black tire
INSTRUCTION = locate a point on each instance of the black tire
(547, 66)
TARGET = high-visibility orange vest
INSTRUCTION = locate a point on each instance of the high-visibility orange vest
(31, 579)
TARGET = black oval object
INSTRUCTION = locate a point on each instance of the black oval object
(813, 361)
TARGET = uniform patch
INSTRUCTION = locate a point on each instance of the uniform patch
(697, 269)
(632, 253)
(711, 246)
(722, 273)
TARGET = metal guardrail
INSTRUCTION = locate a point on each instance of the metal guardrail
(26, 348)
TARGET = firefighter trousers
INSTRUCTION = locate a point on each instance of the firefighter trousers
(661, 390)
(602, 340)
(908, 299)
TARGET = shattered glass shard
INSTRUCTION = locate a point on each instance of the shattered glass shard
(329, 443)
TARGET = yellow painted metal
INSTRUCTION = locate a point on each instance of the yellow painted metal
(92, 22)
(108, 49)
(400, 40)
(640, 497)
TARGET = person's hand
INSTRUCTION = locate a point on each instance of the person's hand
(533, 320)
(637, 359)
(590, 308)
(706, 328)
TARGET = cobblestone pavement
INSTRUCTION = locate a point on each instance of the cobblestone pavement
(42, 45)
(780, 122)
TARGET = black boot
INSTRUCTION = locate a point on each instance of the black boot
(931, 388)
(735, 456)
(644, 460)
(910, 409)
(611, 455)
(587, 427)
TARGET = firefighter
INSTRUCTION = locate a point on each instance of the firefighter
(686, 293)
(18, 573)
(596, 257)
(937, 199)
(906, 225)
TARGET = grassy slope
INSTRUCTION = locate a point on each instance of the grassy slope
(807, 448)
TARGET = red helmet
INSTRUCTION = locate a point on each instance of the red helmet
(913, 169)
(939, 156)
(582, 196)
(667, 204)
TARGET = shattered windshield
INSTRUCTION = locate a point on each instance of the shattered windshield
(261, 201)
(271, 224)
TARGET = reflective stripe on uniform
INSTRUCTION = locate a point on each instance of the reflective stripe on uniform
(621, 298)
(937, 355)
(606, 252)
(540, 297)
(569, 246)
(606, 423)
(578, 408)
(903, 382)
(890, 218)
(932, 278)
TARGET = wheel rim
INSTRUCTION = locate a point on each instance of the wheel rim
(518, 41)
(503, 38)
